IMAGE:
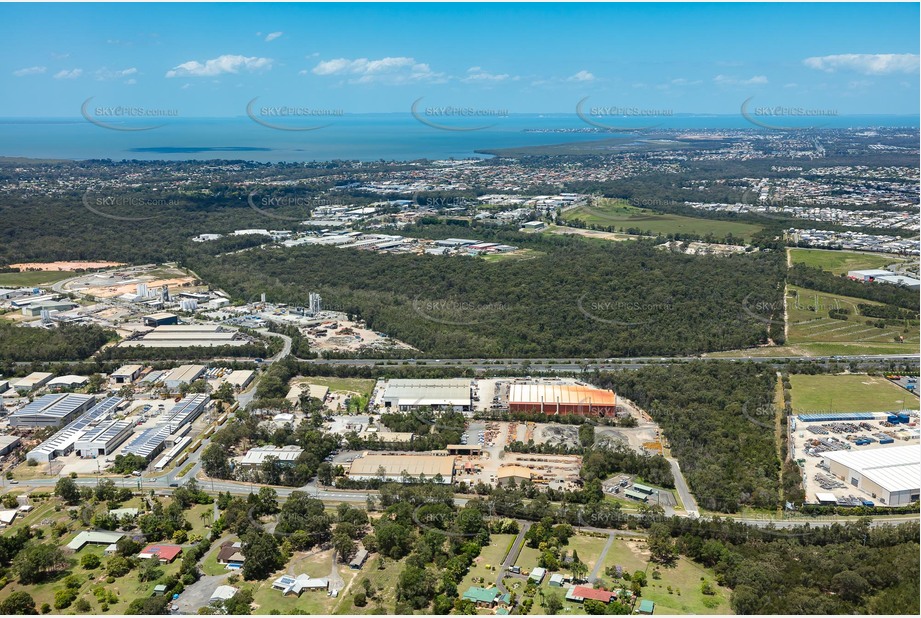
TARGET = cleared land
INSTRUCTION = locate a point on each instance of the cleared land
(840, 262)
(32, 277)
(847, 393)
(491, 556)
(383, 575)
(345, 385)
(620, 214)
(809, 323)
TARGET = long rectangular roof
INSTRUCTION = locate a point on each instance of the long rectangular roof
(395, 465)
(564, 394)
(73, 431)
(451, 391)
(148, 441)
(53, 406)
(894, 469)
(186, 411)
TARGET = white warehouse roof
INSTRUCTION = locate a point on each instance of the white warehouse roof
(450, 391)
(894, 469)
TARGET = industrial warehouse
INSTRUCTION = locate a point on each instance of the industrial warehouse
(445, 394)
(186, 335)
(545, 398)
(395, 467)
(51, 411)
(64, 441)
(892, 475)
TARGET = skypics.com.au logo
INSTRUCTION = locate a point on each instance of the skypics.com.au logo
(438, 117)
(129, 118)
(599, 116)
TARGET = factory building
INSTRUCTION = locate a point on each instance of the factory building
(126, 374)
(396, 468)
(8, 444)
(556, 398)
(186, 411)
(103, 439)
(442, 394)
(51, 411)
(160, 319)
(892, 476)
(184, 374)
(149, 442)
(34, 380)
(186, 335)
(239, 379)
(36, 309)
(64, 441)
(285, 455)
(64, 382)
(884, 276)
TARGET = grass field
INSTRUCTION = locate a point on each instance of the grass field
(344, 385)
(384, 583)
(620, 214)
(847, 393)
(840, 262)
(521, 254)
(677, 591)
(315, 564)
(685, 580)
(33, 277)
(492, 555)
(809, 323)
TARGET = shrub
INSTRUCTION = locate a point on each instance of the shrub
(63, 598)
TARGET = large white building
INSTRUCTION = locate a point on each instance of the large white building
(52, 411)
(891, 476)
(444, 394)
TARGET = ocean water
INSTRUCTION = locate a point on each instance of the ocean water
(366, 137)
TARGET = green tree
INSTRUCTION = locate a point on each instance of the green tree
(18, 603)
(552, 603)
(37, 561)
(262, 554)
(90, 561)
(66, 489)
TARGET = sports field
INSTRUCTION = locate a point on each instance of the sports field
(620, 214)
(847, 393)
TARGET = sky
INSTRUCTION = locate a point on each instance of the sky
(210, 60)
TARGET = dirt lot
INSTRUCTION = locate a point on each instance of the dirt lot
(67, 266)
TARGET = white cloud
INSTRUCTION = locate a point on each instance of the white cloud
(105, 74)
(685, 82)
(228, 63)
(29, 71)
(582, 76)
(868, 64)
(725, 80)
(73, 74)
(394, 70)
(477, 74)
(272, 36)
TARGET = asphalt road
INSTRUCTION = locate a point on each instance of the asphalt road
(687, 498)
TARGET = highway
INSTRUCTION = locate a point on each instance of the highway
(334, 496)
(550, 365)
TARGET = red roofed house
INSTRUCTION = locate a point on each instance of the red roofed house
(581, 593)
(165, 553)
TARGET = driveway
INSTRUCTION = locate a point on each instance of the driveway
(198, 594)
